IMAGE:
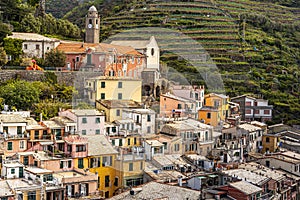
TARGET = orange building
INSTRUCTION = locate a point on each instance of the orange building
(111, 60)
(208, 115)
(174, 106)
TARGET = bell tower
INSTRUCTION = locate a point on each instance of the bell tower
(92, 26)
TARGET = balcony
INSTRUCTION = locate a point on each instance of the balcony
(131, 157)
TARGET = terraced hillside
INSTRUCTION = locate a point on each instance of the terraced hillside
(254, 44)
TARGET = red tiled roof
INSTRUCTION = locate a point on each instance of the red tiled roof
(76, 47)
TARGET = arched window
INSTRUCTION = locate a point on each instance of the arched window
(90, 21)
(152, 52)
(267, 139)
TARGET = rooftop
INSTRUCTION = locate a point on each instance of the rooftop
(261, 170)
(154, 190)
(247, 176)
(37, 170)
(86, 112)
(249, 127)
(137, 44)
(31, 37)
(154, 143)
(99, 145)
(12, 118)
(246, 187)
(75, 139)
(119, 103)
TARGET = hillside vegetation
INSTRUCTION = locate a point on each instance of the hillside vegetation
(254, 44)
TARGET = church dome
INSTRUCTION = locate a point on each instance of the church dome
(92, 9)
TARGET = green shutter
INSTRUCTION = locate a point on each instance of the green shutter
(9, 146)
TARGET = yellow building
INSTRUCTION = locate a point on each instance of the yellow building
(130, 167)
(114, 88)
(113, 108)
(101, 160)
(209, 115)
(219, 102)
(270, 143)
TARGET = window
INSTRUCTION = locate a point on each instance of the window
(120, 84)
(25, 46)
(5, 129)
(266, 112)
(134, 141)
(248, 103)
(36, 135)
(206, 135)
(107, 181)
(102, 96)
(12, 171)
(106, 161)
(119, 95)
(248, 111)
(22, 145)
(89, 58)
(80, 148)
(80, 163)
(118, 112)
(102, 84)
(179, 106)
(84, 120)
(128, 141)
(114, 129)
(148, 118)
(148, 129)
(130, 167)
(9, 146)
(141, 166)
(77, 58)
(152, 52)
(83, 132)
(113, 142)
(97, 132)
(256, 111)
(37, 46)
(32, 195)
(97, 121)
(176, 147)
(120, 142)
(69, 163)
(208, 115)
(267, 139)
(116, 183)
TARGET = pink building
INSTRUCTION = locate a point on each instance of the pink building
(76, 146)
(88, 121)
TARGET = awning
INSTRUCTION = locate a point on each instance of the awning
(46, 143)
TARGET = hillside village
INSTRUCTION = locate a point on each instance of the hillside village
(147, 137)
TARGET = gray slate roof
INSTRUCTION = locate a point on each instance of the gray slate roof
(99, 145)
(154, 190)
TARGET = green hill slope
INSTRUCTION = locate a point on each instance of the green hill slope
(255, 44)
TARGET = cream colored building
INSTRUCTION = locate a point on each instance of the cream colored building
(113, 88)
(35, 45)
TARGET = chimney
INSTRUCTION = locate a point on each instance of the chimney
(41, 117)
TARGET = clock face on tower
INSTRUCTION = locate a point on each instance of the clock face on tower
(90, 26)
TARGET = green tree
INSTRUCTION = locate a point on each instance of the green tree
(3, 58)
(4, 31)
(55, 58)
(20, 94)
(49, 108)
(13, 47)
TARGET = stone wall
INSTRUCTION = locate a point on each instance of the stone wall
(73, 78)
